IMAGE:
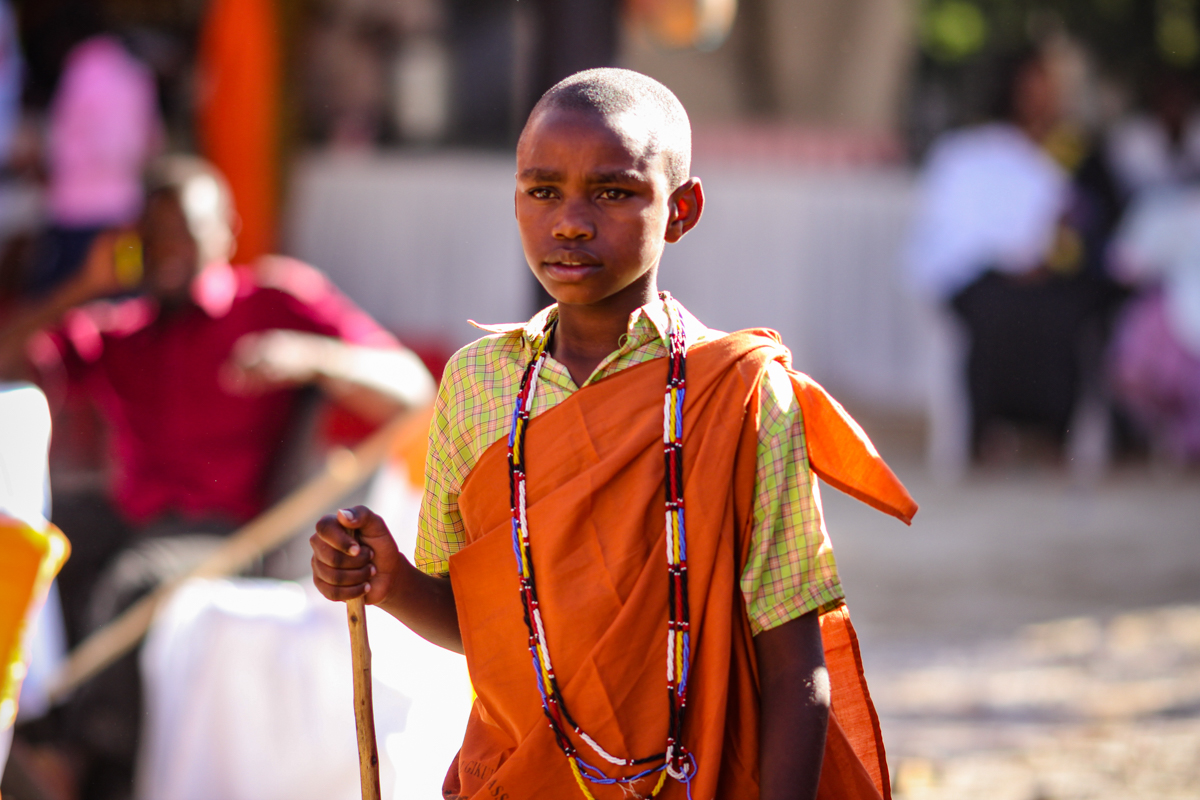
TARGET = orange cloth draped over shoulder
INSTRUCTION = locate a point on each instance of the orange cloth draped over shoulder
(239, 113)
(595, 501)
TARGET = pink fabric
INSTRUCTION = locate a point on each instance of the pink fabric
(1157, 378)
(182, 443)
(104, 127)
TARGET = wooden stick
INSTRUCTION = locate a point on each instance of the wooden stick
(344, 470)
(364, 708)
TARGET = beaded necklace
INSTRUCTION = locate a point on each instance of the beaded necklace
(675, 760)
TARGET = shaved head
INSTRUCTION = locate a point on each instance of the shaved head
(609, 92)
(203, 195)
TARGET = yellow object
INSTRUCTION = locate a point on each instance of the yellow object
(1066, 257)
(1067, 144)
(29, 560)
(127, 260)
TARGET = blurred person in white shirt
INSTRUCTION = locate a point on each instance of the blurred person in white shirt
(1011, 221)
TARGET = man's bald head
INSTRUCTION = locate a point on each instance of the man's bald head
(204, 197)
(610, 92)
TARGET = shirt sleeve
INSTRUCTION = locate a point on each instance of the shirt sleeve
(65, 356)
(790, 569)
(440, 530)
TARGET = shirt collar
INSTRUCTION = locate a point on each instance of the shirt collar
(655, 312)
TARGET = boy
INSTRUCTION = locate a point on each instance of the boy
(541, 552)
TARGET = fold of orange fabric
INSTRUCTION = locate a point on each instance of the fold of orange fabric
(857, 744)
(595, 503)
(840, 452)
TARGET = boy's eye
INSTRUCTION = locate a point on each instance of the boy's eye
(614, 194)
(541, 193)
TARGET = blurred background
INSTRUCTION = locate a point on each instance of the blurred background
(977, 222)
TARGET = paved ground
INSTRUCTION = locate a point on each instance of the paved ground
(1029, 640)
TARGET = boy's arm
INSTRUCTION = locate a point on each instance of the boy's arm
(789, 577)
(794, 708)
(344, 569)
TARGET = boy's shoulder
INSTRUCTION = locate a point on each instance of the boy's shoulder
(474, 397)
(489, 361)
(507, 346)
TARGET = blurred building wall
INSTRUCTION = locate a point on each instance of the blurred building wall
(422, 243)
(426, 243)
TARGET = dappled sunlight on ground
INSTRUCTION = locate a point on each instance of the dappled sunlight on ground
(1028, 639)
(1078, 708)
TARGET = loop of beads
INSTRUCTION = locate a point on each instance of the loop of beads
(675, 761)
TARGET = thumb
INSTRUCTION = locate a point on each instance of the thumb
(363, 521)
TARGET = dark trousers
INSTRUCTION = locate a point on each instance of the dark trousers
(1025, 361)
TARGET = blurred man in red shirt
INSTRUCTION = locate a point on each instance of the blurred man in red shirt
(197, 375)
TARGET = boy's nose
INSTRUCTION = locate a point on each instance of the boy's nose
(573, 223)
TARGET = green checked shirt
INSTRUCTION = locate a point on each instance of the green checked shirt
(790, 569)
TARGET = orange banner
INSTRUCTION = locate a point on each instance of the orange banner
(238, 117)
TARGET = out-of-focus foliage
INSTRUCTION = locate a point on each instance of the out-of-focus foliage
(1122, 33)
(1176, 33)
(952, 30)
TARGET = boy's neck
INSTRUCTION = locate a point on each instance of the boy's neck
(586, 334)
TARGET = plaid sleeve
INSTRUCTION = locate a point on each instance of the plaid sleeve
(469, 414)
(440, 531)
(790, 569)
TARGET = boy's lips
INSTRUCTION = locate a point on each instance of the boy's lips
(569, 265)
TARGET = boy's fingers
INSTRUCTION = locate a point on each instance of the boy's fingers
(340, 593)
(331, 556)
(342, 577)
(332, 532)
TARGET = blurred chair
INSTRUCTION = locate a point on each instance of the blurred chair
(248, 691)
(948, 408)
(248, 696)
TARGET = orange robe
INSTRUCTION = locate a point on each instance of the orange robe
(595, 501)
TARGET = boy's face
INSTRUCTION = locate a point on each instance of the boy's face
(595, 207)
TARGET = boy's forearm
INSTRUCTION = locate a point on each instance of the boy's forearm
(794, 709)
(425, 603)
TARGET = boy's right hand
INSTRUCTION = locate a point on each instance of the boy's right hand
(345, 567)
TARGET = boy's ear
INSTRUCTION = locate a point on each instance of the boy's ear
(685, 206)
